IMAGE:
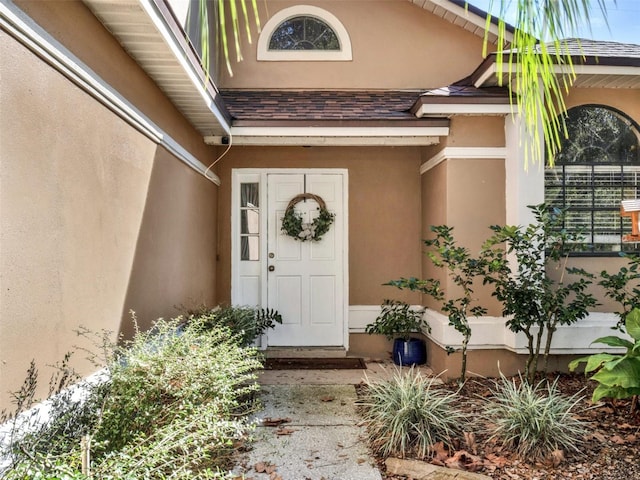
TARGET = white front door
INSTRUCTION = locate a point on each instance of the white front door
(305, 280)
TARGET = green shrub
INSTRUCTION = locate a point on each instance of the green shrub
(247, 323)
(622, 286)
(462, 270)
(167, 374)
(534, 303)
(406, 415)
(174, 406)
(398, 319)
(533, 420)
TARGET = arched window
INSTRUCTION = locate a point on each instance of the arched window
(304, 33)
(597, 167)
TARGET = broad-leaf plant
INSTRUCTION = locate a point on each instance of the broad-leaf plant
(618, 374)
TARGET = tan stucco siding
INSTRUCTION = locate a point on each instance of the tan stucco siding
(395, 44)
(474, 131)
(96, 219)
(625, 100)
(72, 24)
(468, 195)
(384, 212)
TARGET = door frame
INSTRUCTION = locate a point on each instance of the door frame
(241, 175)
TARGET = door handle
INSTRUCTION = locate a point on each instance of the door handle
(271, 268)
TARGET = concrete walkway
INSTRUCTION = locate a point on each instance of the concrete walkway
(310, 429)
(321, 441)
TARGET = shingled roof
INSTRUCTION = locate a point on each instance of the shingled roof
(591, 52)
(393, 106)
(320, 104)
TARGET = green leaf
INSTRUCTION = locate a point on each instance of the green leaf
(593, 362)
(632, 323)
(625, 374)
(605, 391)
(614, 342)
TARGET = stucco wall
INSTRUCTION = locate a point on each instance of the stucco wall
(96, 219)
(395, 44)
(384, 212)
(71, 23)
(468, 195)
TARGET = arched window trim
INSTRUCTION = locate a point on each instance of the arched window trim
(264, 54)
(634, 126)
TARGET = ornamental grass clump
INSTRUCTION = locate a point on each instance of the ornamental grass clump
(407, 415)
(533, 420)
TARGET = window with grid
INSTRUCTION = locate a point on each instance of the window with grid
(304, 33)
(250, 221)
(597, 167)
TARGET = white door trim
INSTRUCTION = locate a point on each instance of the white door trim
(259, 175)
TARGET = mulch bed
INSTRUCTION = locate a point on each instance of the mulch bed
(609, 450)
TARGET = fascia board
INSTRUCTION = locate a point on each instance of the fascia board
(446, 109)
(340, 132)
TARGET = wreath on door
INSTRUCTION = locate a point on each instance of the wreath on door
(293, 226)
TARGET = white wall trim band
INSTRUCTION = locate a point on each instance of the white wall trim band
(450, 153)
(28, 33)
(492, 333)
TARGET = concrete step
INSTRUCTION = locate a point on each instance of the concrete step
(305, 352)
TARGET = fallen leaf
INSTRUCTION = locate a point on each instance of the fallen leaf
(597, 436)
(327, 398)
(631, 438)
(556, 458)
(618, 440)
(274, 422)
(360, 461)
(497, 460)
(440, 452)
(470, 442)
(463, 460)
(284, 431)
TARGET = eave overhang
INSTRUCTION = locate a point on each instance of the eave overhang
(447, 107)
(590, 71)
(150, 33)
(334, 133)
(467, 16)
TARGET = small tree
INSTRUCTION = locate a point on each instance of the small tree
(535, 303)
(623, 288)
(462, 269)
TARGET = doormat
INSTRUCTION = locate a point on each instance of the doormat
(341, 363)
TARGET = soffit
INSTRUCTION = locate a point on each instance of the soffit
(464, 15)
(166, 58)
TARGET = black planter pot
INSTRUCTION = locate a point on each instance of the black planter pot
(409, 352)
